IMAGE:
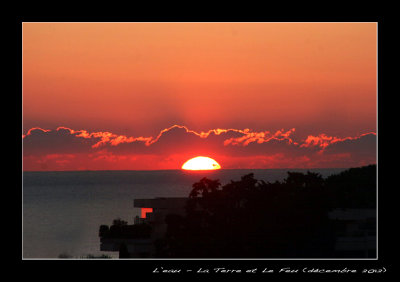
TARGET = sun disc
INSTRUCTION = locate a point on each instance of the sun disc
(201, 163)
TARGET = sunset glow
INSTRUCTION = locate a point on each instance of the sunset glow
(148, 96)
(201, 163)
(181, 140)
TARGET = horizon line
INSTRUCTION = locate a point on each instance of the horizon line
(100, 170)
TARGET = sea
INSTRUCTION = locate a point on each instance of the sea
(62, 210)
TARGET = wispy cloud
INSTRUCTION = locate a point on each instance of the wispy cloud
(69, 148)
(29, 132)
(324, 141)
(247, 136)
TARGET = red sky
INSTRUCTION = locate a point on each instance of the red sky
(134, 80)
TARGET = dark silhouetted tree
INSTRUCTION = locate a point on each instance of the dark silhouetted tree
(251, 218)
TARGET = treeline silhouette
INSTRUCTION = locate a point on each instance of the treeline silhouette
(353, 188)
(251, 218)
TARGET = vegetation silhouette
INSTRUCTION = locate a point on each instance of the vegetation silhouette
(355, 187)
(252, 219)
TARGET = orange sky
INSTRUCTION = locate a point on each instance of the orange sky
(136, 79)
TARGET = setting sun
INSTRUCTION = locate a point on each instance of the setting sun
(201, 163)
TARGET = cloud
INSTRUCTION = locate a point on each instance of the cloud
(363, 146)
(59, 141)
(33, 130)
(324, 141)
(234, 146)
(260, 137)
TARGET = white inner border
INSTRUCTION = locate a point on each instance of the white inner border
(22, 168)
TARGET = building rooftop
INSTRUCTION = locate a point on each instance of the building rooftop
(163, 203)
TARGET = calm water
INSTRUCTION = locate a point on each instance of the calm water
(62, 211)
